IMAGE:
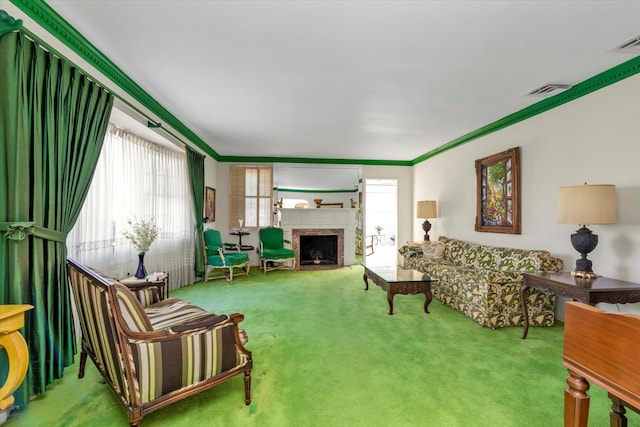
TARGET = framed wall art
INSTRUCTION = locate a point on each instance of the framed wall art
(210, 203)
(498, 192)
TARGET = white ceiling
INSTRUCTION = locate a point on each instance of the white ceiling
(373, 80)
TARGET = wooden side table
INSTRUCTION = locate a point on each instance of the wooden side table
(242, 247)
(135, 284)
(588, 291)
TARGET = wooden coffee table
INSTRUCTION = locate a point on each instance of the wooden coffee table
(397, 280)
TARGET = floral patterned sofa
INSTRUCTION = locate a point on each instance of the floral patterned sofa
(482, 282)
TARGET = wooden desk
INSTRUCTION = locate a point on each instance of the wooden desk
(588, 291)
(603, 348)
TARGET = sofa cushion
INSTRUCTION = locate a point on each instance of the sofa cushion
(459, 252)
(433, 250)
(173, 311)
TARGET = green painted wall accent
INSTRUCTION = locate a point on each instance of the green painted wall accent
(298, 190)
(45, 16)
(240, 159)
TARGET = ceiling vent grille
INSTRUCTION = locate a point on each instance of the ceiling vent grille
(630, 46)
(549, 89)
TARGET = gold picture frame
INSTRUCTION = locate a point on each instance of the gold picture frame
(210, 203)
(498, 192)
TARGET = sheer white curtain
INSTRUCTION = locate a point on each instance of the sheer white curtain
(136, 178)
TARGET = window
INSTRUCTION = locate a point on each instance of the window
(250, 196)
(136, 178)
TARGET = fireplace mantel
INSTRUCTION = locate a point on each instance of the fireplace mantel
(330, 218)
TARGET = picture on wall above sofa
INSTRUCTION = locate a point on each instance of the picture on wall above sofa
(498, 192)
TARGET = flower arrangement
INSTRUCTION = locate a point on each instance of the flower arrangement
(379, 228)
(142, 234)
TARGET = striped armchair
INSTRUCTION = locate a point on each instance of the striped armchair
(155, 354)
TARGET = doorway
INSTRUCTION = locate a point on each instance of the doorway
(381, 221)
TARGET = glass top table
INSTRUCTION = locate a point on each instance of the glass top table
(397, 280)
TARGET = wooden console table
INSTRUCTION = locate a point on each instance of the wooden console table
(588, 291)
(603, 348)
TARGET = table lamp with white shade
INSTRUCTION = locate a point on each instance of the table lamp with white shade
(427, 209)
(586, 205)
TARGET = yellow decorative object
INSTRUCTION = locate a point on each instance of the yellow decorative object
(11, 321)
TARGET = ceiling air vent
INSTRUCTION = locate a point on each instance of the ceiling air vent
(630, 46)
(548, 89)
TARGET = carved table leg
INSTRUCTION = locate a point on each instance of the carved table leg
(428, 298)
(576, 401)
(617, 418)
(366, 281)
(523, 303)
(390, 295)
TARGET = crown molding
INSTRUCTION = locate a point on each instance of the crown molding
(241, 159)
(301, 190)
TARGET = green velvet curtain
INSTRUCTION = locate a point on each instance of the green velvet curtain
(195, 166)
(53, 121)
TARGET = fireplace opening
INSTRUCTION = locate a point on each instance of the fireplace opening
(319, 250)
(326, 253)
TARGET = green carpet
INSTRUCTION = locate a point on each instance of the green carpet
(327, 354)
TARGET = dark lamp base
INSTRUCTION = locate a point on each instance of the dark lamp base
(426, 226)
(584, 241)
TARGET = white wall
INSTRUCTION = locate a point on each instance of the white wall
(593, 139)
